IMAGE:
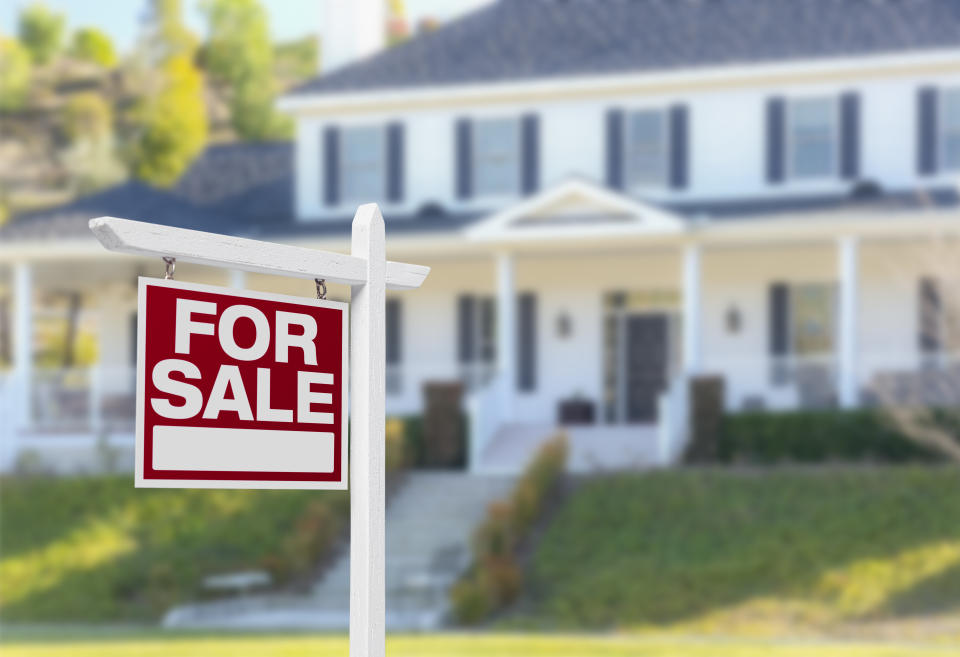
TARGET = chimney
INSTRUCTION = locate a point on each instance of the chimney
(352, 29)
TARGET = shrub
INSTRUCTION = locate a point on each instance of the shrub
(495, 579)
(815, 436)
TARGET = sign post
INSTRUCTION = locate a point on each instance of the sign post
(368, 273)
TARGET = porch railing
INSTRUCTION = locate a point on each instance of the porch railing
(95, 400)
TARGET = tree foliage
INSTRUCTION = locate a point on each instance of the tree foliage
(174, 124)
(41, 31)
(14, 74)
(93, 45)
(87, 116)
(239, 54)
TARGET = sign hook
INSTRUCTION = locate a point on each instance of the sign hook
(321, 288)
(169, 266)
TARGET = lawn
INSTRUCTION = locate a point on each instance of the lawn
(96, 549)
(781, 552)
(452, 645)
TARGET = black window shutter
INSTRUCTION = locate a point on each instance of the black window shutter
(331, 165)
(464, 158)
(531, 153)
(394, 330)
(679, 145)
(779, 318)
(466, 325)
(395, 162)
(850, 135)
(776, 138)
(927, 131)
(929, 313)
(527, 341)
(615, 148)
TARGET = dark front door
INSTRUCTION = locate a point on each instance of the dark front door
(646, 365)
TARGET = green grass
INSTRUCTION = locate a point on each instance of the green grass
(454, 645)
(95, 548)
(780, 552)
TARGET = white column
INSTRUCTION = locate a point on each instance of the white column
(506, 333)
(691, 310)
(367, 404)
(847, 261)
(238, 279)
(18, 399)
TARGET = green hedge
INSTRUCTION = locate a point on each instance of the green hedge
(415, 449)
(815, 436)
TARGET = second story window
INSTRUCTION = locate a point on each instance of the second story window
(362, 166)
(646, 149)
(950, 132)
(813, 137)
(496, 157)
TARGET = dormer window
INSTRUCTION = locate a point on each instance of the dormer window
(362, 165)
(950, 132)
(496, 157)
(646, 152)
(813, 137)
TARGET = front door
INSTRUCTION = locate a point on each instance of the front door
(646, 365)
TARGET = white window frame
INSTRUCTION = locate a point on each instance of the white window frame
(344, 165)
(475, 160)
(943, 130)
(834, 101)
(663, 181)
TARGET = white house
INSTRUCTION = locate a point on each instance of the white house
(613, 195)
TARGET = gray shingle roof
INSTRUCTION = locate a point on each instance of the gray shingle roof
(527, 39)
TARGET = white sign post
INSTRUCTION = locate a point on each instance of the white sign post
(368, 273)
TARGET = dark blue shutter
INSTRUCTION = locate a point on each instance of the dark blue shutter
(527, 341)
(530, 139)
(395, 162)
(776, 137)
(464, 158)
(779, 318)
(331, 165)
(679, 145)
(850, 135)
(466, 325)
(927, 131)
(394, 335)
(929, 316)
(615, 148)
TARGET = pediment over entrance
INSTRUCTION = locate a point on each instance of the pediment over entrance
(576, 208)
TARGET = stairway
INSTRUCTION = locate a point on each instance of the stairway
(429, 524)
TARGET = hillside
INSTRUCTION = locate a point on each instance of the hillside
(792, 552)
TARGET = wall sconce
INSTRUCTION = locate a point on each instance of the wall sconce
(733, 320)
(564, 325)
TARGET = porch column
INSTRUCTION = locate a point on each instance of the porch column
(847, 261)
(22, 350)
(238, 279)
(506, 338)
(691, 310)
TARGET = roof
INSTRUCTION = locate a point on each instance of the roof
(529, 39)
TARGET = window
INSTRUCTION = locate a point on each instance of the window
(813, 140)
(362, 166)
(950, 135)
(496, 157)
(646, 148)
(812, 319)
(477, 338)
(938, 330)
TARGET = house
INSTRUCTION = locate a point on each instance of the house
(614, 197)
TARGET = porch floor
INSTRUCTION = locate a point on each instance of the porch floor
(592, 448)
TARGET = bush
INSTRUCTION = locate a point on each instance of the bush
(815, 436)
(416, 452)
(494, 581)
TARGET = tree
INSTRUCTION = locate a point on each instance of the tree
(240, 55)
(167, 35)
(91, 157)
(93, 45)
(41, 32)
(87, 116)
(173, 124)
(14, 74)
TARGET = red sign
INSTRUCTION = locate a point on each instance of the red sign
(239, 389)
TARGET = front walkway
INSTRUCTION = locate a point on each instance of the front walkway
(591, 448)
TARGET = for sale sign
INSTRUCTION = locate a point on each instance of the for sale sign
(239, 389)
